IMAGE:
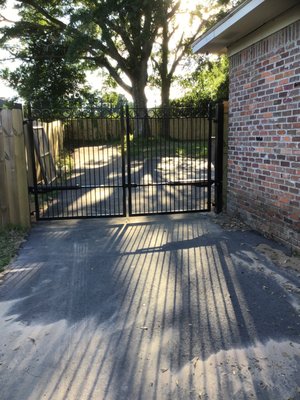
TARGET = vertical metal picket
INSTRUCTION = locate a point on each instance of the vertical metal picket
(128, 160)
(33, 165)
(123, 136)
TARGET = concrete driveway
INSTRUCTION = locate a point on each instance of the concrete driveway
(168, 307)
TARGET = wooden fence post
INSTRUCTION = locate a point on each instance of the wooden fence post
(4, 210)
(13, 173)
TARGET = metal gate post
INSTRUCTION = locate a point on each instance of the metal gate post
(33, 164)
(219, 158)
(123, 135)
(128, 160)
(209, 156)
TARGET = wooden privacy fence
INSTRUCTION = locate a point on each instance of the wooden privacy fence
(106, 129)
(14, 199)
(91, 129)
(182, 128)
(48, 144)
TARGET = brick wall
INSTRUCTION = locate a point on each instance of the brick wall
(264, 135)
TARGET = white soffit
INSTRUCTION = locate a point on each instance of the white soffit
(245, 19)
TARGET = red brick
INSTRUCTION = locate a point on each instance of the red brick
(264, 176)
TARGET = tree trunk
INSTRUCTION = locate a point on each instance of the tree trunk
(165, 81)
(141, 121)
(165, 92)
(165, 101)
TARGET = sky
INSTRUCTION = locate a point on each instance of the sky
(94, 79)
(10, 13)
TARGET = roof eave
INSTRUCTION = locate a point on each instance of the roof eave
(243, 20)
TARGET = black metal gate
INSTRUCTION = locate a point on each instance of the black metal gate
(169, 167)
(116, 162)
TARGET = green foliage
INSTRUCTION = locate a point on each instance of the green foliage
(11, 238)
(141, 148)
(208, 83)
(45, 77)
(58, 41)
(115, 35)
(175, 41)
(65, 164)
(114, 99)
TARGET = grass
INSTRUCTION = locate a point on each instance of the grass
(157, 147)
(65, 163)
(147, 147)
(11, 238)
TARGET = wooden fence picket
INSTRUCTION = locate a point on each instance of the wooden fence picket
(14, 199)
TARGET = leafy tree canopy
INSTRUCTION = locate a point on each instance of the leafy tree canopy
(117, 35)
(44, 77)
(60, 40)
(182, 24)
(209, 82)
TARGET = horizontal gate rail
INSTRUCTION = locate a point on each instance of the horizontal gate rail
(175, 183)
(50, 188)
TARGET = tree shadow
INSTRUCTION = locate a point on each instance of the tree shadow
(94, 187)
(145, 310)
(164, 181)
(161, 182)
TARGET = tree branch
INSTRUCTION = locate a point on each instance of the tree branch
(123, 34)
(112, 51)
(173, 11)
(4, 19)
(103, 62)
(41, 10)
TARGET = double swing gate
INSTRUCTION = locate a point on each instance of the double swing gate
(116, 162)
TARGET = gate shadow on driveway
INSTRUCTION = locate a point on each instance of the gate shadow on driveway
(168, 307)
